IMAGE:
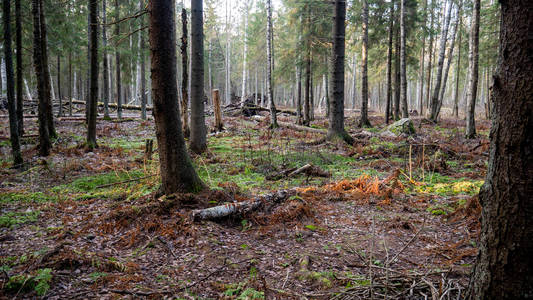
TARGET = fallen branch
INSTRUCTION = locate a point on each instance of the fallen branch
(114, 105)
(239, 208)
(294, 126)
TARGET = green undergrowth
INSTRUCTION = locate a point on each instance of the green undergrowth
(26, 197)
(448, 186)
(38, 281)
(240, 160)
(107, 186)
(14, 218)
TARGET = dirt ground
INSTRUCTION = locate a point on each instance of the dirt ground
(389, 218)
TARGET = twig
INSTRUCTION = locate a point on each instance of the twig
(408, 243)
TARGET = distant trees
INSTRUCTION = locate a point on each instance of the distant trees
(504, 267)
(177, 171)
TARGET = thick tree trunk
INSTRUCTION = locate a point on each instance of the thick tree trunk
(10, 86)
(403, 62)
(185, 75)
(307, 91)
(270, 68)
(440, 65)
(473, 65)
(117, 63)
(504, 268)
(105, 62)
(44, 134)
(389, 65)
(20, 67)
(177, 171)
(93, 81)
(46, 72)
(364, 122)
(336, 119)
(198, 139)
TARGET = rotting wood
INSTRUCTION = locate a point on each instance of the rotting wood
(219, 126)
(239, 208)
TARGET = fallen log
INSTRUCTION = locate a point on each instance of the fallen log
(239, 208)
(294, 126)
(114, 105)
(300, 170)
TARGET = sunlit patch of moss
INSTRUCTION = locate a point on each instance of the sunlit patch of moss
(446, 186)
(126, 144)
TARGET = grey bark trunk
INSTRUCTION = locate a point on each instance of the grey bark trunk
(473, 58)
(403, 62)
(364, 122)
(93, 81)
(198, 139)
(273, 117)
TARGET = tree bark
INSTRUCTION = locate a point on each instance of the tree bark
(198, 139)
(397, 81)
(93, 80)
(20, 67)
(143, 71)
(364, 122)
(440, 65)
(389, 65)
(504, 267)
(185, 75)
(457, 73)
(245, 53)
(46, 71)
(60, 112)
(117, 62)
(473, 65)
(307, 91)
(105, 62)
(270, 91)
(422, 57)
(403, 62)
(430, 59)
(177, 171)
(10, 86)
(70, 83)
(336, 119)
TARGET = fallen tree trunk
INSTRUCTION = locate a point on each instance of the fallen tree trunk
(114, 105)
(240, 208)
(294, 126)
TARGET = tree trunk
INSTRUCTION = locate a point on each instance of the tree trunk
(270, 67)
(430, 59)
(185, 75)
(44, 134)
(93, 81)
(473, 58)
(46, 72)
(504, 268)
(177, 171)
(143, 72)
(299, 94)
(70, 83)
(364, 122)
(354, 82)
(20, 67)
(457, 73)
(449, 63)
(117, 62)
(307, 91)
(397, 81)
(389, 65)
(440, 65)
(336, 118)
(422, 56)
(245, 53)
(198, 140)
(105, 62)
(60, 112)
(10, 86)
(403, 62)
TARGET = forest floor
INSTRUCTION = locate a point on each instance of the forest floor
(390, 217)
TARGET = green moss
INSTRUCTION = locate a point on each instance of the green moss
(26, 197)
(12, 219)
